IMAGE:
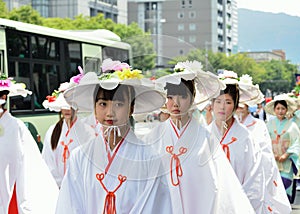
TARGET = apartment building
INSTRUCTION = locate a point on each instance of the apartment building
(178, 26)
(113, 9)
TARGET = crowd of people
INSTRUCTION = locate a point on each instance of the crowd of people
(208, 154)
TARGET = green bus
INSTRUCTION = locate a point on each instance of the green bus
(43, 57)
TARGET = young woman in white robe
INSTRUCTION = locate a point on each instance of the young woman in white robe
(285, 136)
(25, 178)
(244, 155)
(276, 199)
(61, 138)
(115, 172)
(199, 176)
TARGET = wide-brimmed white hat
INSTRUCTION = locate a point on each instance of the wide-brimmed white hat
(56, 101)
(248, 91)
(291, 104)
(147, 98)
(207, 84)
(15, 89)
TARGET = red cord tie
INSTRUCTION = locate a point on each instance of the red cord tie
(66, 153)
(110, 199)
(175, 158)
(226, 149)
(278, 136)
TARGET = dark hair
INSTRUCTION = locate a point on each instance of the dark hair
(117, 94)
(184, 88)
(282, 102)
(56, 133)
(233, 91)
(4, 92)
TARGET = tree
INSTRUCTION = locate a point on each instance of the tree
(3, 9)
(25, 14)
(279, 76)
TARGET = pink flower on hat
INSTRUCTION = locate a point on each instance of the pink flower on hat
(76, 79)
(5, 82)
(110, 65)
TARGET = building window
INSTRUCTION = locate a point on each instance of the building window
(182, 3)
(192, 27)
(180, 39)
(181, 15)
(192, 14)
(181, 52)
(192, 39)
(180, 27)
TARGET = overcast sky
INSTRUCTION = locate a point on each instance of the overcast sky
(291, 7)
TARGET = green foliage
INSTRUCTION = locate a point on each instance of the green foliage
(25, 14)
(3, 9)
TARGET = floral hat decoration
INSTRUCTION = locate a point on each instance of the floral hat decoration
(147, 98)
(56, 101)
(207, 84)
(14, 88)
(248, 92)
(291, 104)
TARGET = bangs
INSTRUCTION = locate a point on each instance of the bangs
(183, 89)
(118, 94)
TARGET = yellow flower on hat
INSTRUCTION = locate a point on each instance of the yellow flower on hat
(128, 74)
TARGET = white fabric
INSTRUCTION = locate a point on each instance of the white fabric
(147, 98)
(245, 158)
(58, 104)
(80, 133)
(142, 192)
(208, 183)
(21, 163)
(275, 195)
(91, 121)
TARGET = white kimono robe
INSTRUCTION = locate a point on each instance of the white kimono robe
(21, 164)
(275, 195)
(78, 134)
(208, 183)
(142, 192)
(245, 158)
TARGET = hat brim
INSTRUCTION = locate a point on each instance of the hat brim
(207, 84)
(57, 105)
(269, 107)
(147, 99)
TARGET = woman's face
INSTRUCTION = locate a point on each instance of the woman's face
(112, 112)
(223, 107)
(67, 114)
(178, 104)
(280, 111)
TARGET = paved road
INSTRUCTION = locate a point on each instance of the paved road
(296, 205)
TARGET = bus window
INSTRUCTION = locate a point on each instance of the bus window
(17, 44)
(45, 81)
(44, 48)
(92, 65)
(20, 72)
(116, 54)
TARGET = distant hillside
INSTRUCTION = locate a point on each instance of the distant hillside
(261, 31)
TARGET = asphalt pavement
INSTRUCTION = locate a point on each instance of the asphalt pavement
(296, 205)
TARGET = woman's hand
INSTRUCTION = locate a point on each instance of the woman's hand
(283, 157)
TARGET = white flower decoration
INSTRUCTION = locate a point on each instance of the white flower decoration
(246, 79)
(64, 86)
(193, 66)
